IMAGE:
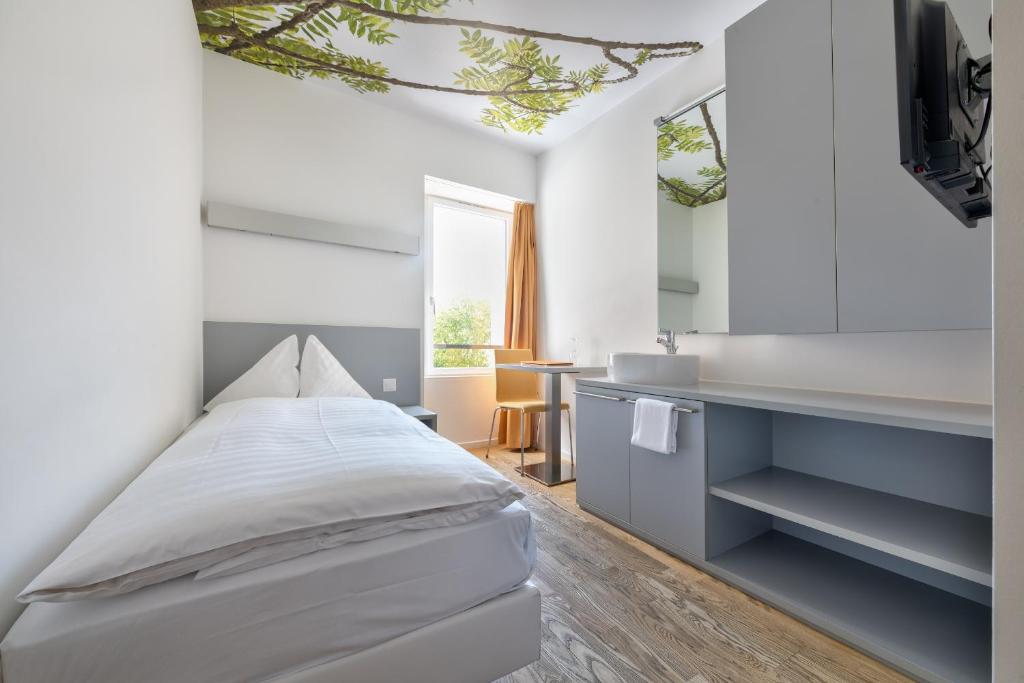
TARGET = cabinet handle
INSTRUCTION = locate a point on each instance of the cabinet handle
(679, 409)
(606, 398)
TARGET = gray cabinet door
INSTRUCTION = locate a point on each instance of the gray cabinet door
(905, 263)
(667, 492)
(782, 268)
(603, 428)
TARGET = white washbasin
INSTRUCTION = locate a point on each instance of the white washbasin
(660, 369)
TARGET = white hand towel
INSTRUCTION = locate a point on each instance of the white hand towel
(654, 426)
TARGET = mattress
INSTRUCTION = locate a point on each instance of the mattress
(278, 619)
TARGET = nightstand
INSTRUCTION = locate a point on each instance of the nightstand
(427, 417)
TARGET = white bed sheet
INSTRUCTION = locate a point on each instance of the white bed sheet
(278, 619)
(272, 471)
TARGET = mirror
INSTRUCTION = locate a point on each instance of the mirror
(693, 249)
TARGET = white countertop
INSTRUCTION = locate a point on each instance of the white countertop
(950, 417)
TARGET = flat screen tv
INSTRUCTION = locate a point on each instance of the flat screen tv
(944, 108)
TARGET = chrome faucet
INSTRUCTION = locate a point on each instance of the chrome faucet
(667, 338)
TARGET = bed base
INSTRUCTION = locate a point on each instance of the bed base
(476, 646)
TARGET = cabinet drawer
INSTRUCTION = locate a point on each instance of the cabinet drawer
(666, 499)
(603, 428)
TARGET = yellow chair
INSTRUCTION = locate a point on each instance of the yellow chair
(519, 392)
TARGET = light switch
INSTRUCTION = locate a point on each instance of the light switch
(390, 384)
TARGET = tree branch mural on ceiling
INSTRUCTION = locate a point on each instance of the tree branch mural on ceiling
(522, 81)
(682, 136)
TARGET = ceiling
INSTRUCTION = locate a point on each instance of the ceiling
(531, 88)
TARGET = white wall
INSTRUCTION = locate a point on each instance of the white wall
(100, 180)
(693, 244)
(675, 239)
(1008, 234)
(675, 259)
(464, 405)
(598, 269)
(276, 143)
(711, 266)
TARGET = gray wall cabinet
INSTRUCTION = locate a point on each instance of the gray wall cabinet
(657, 496)
(782, 271)
(827, 232)
(905, 263)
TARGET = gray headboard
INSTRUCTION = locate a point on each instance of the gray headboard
(370, 354)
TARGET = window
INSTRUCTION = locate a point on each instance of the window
(466, 261)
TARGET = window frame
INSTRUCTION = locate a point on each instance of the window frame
(431, 202)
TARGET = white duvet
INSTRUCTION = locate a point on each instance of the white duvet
(263, 480)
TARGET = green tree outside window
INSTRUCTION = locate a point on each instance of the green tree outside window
(468, 321)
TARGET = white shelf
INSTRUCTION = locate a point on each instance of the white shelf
(951, 541)
(220, 215)
(927, 632)
(677, 284)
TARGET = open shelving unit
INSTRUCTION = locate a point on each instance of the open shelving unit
(878, 534)
(925, 631)
(949, 540)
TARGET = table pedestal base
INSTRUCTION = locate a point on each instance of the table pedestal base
(538, 472)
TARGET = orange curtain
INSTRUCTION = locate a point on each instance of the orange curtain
(520, 308)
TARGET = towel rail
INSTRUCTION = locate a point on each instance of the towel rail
(604, 398)
(679, 409)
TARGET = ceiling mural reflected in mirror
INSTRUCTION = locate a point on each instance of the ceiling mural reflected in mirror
(693, 274)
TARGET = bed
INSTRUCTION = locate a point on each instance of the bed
(284, 619)
(451, 603)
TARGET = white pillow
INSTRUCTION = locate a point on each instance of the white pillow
(273, 376)
(322, 375)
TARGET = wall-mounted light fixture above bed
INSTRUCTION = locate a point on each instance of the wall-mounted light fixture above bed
(220, 215)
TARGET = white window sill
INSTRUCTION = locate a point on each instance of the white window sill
(469, 372)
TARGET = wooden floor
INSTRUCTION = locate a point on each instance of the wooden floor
(618, 609)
